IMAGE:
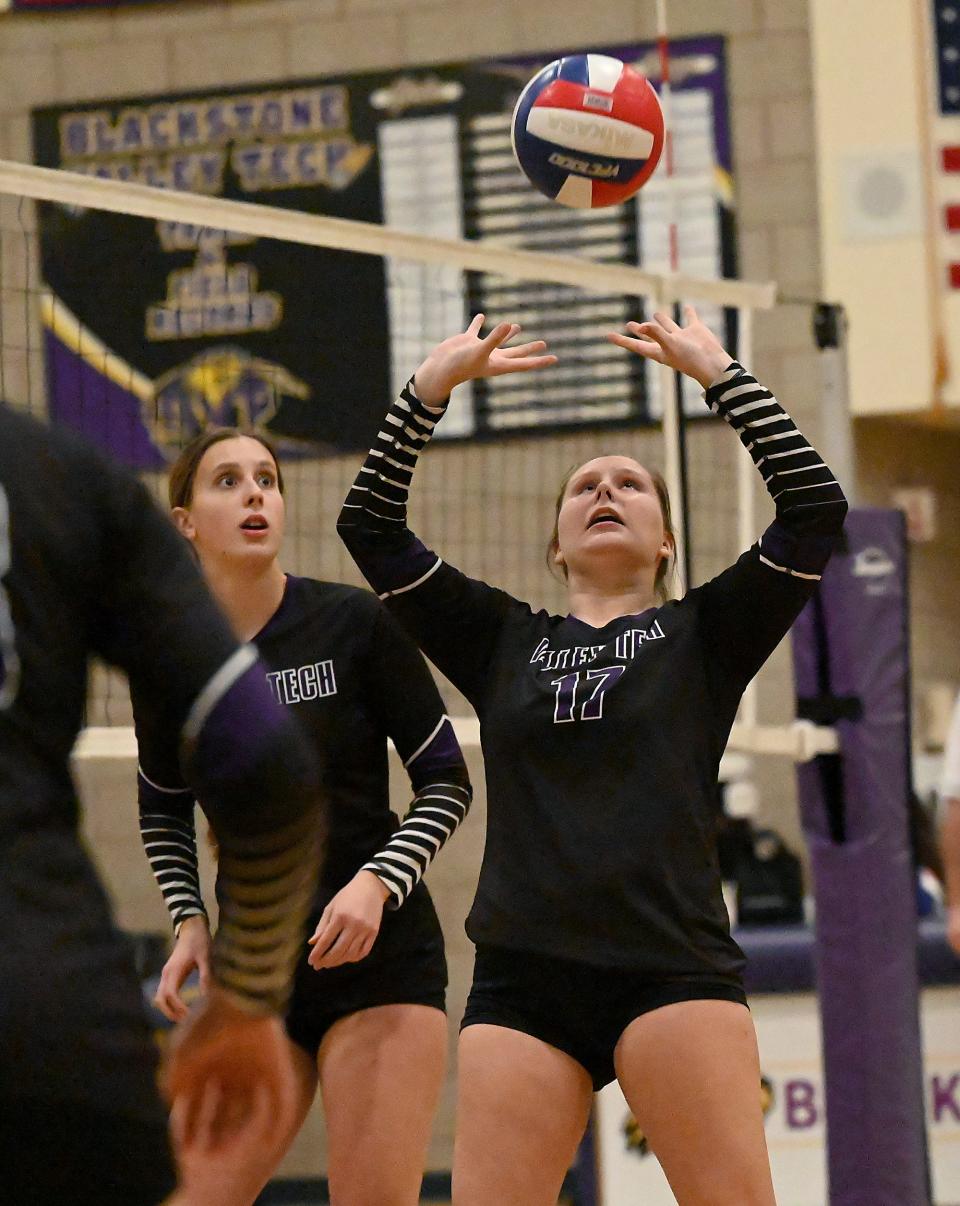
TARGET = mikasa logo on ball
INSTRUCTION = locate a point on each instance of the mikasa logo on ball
(583, 132)
(584, 167)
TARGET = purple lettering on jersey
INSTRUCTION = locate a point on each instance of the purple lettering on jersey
(602, 680)
(566, 698)
(567, 687)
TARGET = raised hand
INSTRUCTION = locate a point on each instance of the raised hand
(692, 349)
(467, 357)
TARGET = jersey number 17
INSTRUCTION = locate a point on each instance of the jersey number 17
(580, 695)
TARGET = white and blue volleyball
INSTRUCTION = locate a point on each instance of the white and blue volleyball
(588, 130)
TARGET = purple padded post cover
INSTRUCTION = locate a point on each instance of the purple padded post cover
(852, 644)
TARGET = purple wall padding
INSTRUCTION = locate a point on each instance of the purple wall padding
(851, 644)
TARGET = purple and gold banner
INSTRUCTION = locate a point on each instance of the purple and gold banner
(155, 329)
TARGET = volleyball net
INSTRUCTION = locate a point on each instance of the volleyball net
(196, 332)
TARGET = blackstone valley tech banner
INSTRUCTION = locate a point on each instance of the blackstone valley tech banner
(155, 329)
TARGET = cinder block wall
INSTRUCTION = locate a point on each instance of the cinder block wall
(77, 56)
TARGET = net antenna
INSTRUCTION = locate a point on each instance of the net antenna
(673, 425)
(78, 191)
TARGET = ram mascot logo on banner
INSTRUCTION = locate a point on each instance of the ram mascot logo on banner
(222, 387)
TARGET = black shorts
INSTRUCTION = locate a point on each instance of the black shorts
(69, 1154)
(579, 1008)
(406, 966)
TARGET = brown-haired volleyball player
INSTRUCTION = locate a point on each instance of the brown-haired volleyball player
(365, 1021)
(603, 945)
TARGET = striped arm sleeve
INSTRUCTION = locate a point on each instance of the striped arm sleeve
(442, 800)
(260, 930)
(810, 505)
(258, 783)
(435, 815)
(376, 507)
(169, 839)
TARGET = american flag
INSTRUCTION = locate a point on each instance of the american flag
(946, 25)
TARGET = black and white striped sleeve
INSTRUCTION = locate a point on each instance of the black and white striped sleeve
(169, 837)
(810, 505)
(402, 692)
(747, 610)
(258, 783)
(456, 620)
(436, 811)
(373, 520)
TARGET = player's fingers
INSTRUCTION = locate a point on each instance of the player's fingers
(642, 347)
(324, 944)
(322, 925)
(653, 330)
(665, 321)
(177, 1123)
(690, 315)
(170, 1004)
(354, 952)
(366, 947)
(214, 1116)
(525, 365)
(475, 324)
(265, 1108)
(498, 335)
(337, 953)
(198, 1106)
(524, 349)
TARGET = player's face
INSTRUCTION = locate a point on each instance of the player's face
(611, 518)
(237, 509)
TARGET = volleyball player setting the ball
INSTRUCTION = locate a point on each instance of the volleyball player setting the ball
(603, 944)
(366, 1017)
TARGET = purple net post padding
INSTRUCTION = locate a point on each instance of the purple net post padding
(851, 651)
(866, 971)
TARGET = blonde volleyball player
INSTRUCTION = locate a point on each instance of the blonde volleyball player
(603, 946)
(366, 1019)
(89, 567)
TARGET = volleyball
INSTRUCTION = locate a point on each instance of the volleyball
(587, 130)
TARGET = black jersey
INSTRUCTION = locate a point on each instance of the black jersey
(341, 662)
(602, 745)
(89, 566)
